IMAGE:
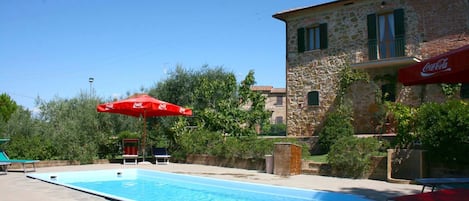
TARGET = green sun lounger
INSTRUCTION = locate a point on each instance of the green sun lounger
(4, 159)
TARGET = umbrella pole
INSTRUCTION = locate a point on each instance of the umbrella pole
(144, 136)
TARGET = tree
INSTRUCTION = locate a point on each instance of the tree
(7, 107)
(219, 104)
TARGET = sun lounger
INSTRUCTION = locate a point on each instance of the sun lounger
(4, 167)
(161, 154)
(130, 149)
(439, 182)
(5, 159)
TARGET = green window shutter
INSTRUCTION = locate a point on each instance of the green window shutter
(399, 32)
(323, 35)
(313, 98)
(301, 39)
(372, 37)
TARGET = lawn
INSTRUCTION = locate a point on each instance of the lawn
(317, 158)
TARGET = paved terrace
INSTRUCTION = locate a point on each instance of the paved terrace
(15, 186)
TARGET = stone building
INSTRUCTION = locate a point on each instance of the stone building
(275, 102)
(378, 37)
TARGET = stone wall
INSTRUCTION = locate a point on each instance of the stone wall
(432, 27)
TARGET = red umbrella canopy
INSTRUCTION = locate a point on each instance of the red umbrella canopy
(144, 105)
(450, 67)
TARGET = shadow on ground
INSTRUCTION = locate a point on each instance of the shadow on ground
(376, 195)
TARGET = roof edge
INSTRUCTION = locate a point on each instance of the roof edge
(283, 14)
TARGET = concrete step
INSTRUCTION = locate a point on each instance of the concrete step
(314, 168)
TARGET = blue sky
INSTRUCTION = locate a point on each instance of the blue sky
(49, 48)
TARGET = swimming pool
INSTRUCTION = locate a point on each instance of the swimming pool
(139, 184)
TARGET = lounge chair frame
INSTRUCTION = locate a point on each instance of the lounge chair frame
(130, 151)
(5, 159)
(162, 154)
(4, 168)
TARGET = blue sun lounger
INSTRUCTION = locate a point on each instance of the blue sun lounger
(4, 159)
(161, 154)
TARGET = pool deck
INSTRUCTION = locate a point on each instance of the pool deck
(15, 186)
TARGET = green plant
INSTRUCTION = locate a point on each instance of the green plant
(350, 156)
(403, 117)
(442, 129)
(336, 125)
(449, 90)
(276, 130)
(347, 77)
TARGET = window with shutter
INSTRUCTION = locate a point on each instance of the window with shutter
(372, 42)
(301, 39)
(399, 32)
(312, 38)
(313, 98)
(386, 35)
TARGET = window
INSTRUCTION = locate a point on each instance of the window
(279, 120)
(313, 98)
(312, 38)
(279, 100)
(386, 35)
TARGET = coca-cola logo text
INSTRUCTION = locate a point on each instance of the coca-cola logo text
(431, 69)
(138, 105)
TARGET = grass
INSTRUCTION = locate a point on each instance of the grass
(323, 158)
(317, 158)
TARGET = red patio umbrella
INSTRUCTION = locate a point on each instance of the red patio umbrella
(450, 67)
(441, 195)
(143, 105)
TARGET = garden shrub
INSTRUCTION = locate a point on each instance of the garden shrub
(403, 117)
(443, 131)
(337, 125)
(215, 144)
(350, 156)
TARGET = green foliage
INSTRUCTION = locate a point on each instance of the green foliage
(350, 156)
(404, 118)
(218, 103)
(347, 77)
(449, 90)
(71, 129)
(217, 144)
(7, 107)
(336, 125)
(26, 140)
(443, 130)
(276, 130)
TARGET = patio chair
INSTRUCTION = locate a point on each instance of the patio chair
(130, 151)
(5, 159)
(161, 155)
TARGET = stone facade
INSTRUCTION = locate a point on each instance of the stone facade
(275, 102)
(431, 28)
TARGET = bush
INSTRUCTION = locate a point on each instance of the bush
(337, 125)
(350, 156)
(443, 131)
(215, 144)
(276, 130)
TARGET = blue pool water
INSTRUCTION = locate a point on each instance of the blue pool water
(138, 184)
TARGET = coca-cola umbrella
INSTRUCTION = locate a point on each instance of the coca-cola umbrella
(143, 105)
(450, 67)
